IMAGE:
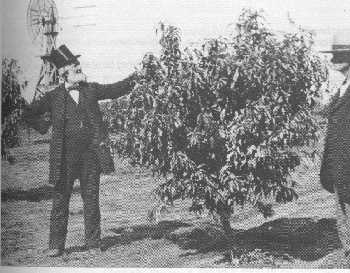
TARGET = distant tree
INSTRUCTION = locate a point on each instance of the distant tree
(220, 122)
(11, 103)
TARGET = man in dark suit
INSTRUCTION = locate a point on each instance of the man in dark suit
(335, 168)
(79, 144)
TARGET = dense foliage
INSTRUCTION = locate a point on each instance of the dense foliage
(11, 102)
(220, 121)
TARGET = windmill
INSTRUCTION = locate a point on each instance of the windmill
(42, 24)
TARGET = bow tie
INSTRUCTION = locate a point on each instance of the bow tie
(73, 87)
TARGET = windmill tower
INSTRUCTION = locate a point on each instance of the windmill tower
(42, 24)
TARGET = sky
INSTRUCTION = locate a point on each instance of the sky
(118, 33)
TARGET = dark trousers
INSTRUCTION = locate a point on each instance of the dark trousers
(343, 220)
(84, 167)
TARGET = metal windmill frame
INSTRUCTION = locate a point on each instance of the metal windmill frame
(42, 23)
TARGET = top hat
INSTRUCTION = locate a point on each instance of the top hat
(62, 56)
(341, 43)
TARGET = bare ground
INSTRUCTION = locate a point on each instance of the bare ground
(301, 234)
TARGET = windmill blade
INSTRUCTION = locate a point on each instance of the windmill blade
(41, 13)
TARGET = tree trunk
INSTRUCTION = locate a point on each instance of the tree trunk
(225, 222)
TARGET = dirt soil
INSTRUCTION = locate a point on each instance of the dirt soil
(301, 234)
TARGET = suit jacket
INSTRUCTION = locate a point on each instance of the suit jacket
(54, 102)
(335, 167)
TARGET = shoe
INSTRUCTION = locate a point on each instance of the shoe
(54, 252)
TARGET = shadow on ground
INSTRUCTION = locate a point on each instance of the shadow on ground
(127, 235)
(300, 238)
(32, 195)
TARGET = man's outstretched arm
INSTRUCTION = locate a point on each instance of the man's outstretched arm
(114, 90)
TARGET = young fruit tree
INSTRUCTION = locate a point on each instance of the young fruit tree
(11, 102)
(219, 122)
